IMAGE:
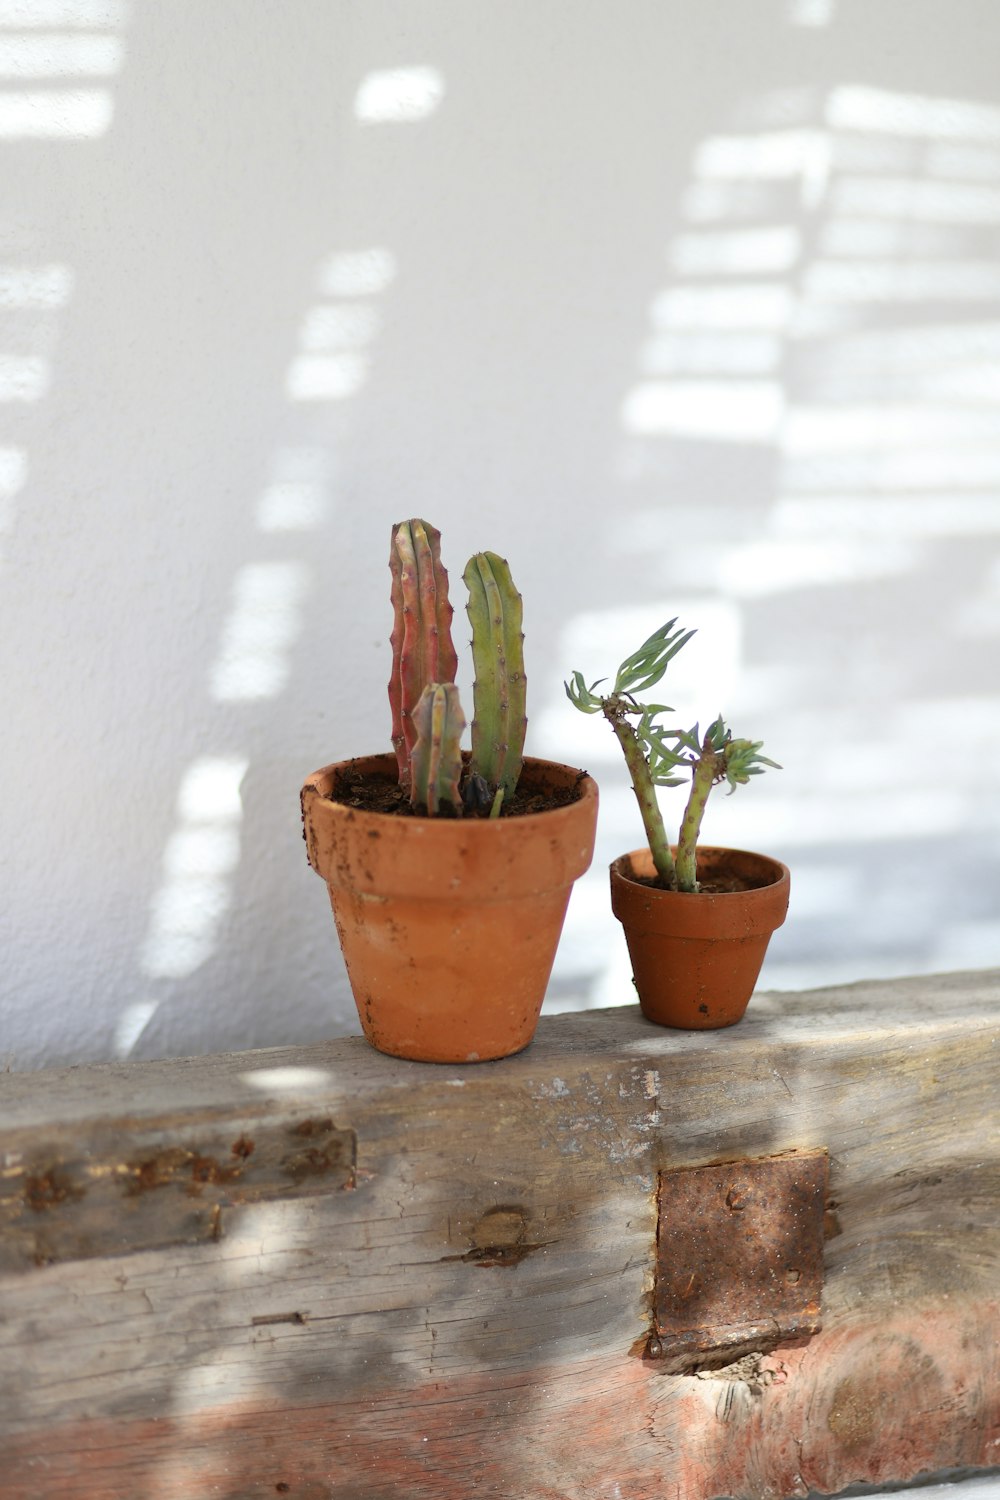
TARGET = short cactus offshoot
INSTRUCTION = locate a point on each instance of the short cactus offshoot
(436, 758)
(654, 754)
(427, 717)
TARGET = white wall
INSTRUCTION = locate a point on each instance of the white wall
(686, 309)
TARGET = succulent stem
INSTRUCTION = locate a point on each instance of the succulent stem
(645, 791)
(707, 771)
(499, 722)
(436, 758)
(422, 647)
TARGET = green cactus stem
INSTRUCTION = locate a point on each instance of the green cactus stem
(499, 721)
(436, 758)
(422, 647)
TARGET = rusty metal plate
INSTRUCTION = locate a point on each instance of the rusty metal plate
(739, 1258)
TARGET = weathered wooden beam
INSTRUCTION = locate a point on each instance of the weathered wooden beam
(323, 1273)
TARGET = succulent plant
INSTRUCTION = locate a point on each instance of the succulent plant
(427, 717)
(655, 754)
(422, 648)
(436, 757)
(498, 726)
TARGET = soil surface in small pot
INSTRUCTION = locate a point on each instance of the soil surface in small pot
(717, 885)
(380, 794)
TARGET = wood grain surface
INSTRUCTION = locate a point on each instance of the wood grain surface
(432, 1281)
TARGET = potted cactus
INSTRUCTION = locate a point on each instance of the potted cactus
(450, 871)
(697, 919)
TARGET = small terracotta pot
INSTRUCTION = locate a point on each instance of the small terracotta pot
(449, 926)
(696, 958)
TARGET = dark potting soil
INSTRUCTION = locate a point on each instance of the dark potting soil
(716, 885)
(380, 795)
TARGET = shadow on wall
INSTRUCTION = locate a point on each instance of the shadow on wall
(56, 53)
(823, 360)
(58, 63)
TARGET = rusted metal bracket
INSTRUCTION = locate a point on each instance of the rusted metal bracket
(739, 1259)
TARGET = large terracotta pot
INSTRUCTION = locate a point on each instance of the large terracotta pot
(449, 926)
(696, 958)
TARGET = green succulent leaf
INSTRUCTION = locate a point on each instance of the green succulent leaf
(689, 738)
(718, 735)
(743, 760)
(647, 665)
(583, 697)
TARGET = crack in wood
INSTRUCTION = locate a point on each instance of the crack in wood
(497, 1255)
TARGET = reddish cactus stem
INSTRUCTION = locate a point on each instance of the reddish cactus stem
(422, 648)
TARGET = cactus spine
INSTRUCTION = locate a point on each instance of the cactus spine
(436, 757)
(422, 648)
(499, 721)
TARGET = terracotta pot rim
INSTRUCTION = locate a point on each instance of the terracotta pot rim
(322, 780)
(701, 915)
(782, 875)
(375, 852)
